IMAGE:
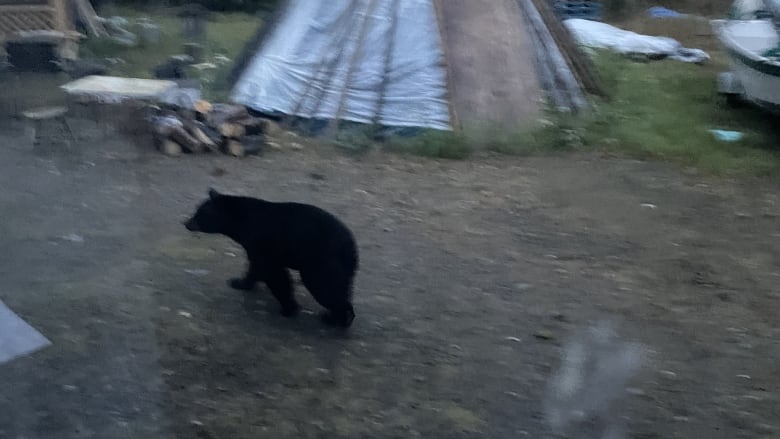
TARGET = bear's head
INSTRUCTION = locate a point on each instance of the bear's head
(211, 216)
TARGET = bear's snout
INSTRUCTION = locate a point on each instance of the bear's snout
(192, 225)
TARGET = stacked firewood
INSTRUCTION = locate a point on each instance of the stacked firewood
(225, 128)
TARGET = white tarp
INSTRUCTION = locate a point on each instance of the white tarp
(601, 35)
(114, 89)
(17, 338)
(307, 58)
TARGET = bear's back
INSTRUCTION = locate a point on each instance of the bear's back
(299, 234)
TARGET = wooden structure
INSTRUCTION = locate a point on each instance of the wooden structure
(49, 17)
(33, 15)
(40, 115)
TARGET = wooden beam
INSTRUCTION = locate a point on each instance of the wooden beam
(60, 15)
(333, 124)
(391, 34)
(326, 69)
(450, 85)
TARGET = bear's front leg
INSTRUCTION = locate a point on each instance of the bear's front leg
(280, 283)
(248, 282)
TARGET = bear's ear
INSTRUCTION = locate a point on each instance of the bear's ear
(213, 194)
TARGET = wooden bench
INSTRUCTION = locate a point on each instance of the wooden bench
(38, 116)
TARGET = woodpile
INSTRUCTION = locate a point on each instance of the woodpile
(228, 129)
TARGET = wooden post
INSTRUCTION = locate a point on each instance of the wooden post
(391, 34)
(60, 15)
(450, 86)
(333, 125)
(327, 69)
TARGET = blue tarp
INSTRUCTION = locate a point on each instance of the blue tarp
(17, 338)
(662, 12)
(327, 60)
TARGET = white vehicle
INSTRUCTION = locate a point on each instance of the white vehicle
(751, 40)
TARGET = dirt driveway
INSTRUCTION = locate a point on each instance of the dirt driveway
(462, 263)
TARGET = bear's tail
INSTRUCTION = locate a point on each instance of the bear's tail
(349, 257)
(348, 317)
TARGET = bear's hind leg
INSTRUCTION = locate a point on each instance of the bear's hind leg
(331, 288)
(342, 316)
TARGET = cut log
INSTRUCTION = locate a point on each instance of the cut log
(232, 130)
(171, 128)
(258, 125)
(203, 134)
(233, 147)
(272, 128)
(203, 107)
(163, 125)
(185, 114)
(188, 142)
(221, 113)
(169, 147)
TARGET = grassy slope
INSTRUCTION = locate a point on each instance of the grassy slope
(226, 35)
(663, 110)
(659, 110)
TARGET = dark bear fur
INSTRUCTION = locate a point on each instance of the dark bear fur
(282, 236)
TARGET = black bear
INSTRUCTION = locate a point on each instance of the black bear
(282, 236)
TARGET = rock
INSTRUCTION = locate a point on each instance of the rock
(221, 59)
(635, 391)
(195, 51)
(79, 68)
(148, 32)
(544, 334)
(197, 272)
(560, 317)
(204, 66)
(173, 68)
(72, 237)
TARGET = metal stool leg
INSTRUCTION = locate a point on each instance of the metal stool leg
(68, 130)
(36, 132)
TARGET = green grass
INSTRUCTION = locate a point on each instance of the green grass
(659, 110)
(433, 143)
(663, 110)
(226, 35)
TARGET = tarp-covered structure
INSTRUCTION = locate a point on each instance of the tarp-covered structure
(367, 61)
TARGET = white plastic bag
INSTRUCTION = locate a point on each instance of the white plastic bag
(601, 35)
